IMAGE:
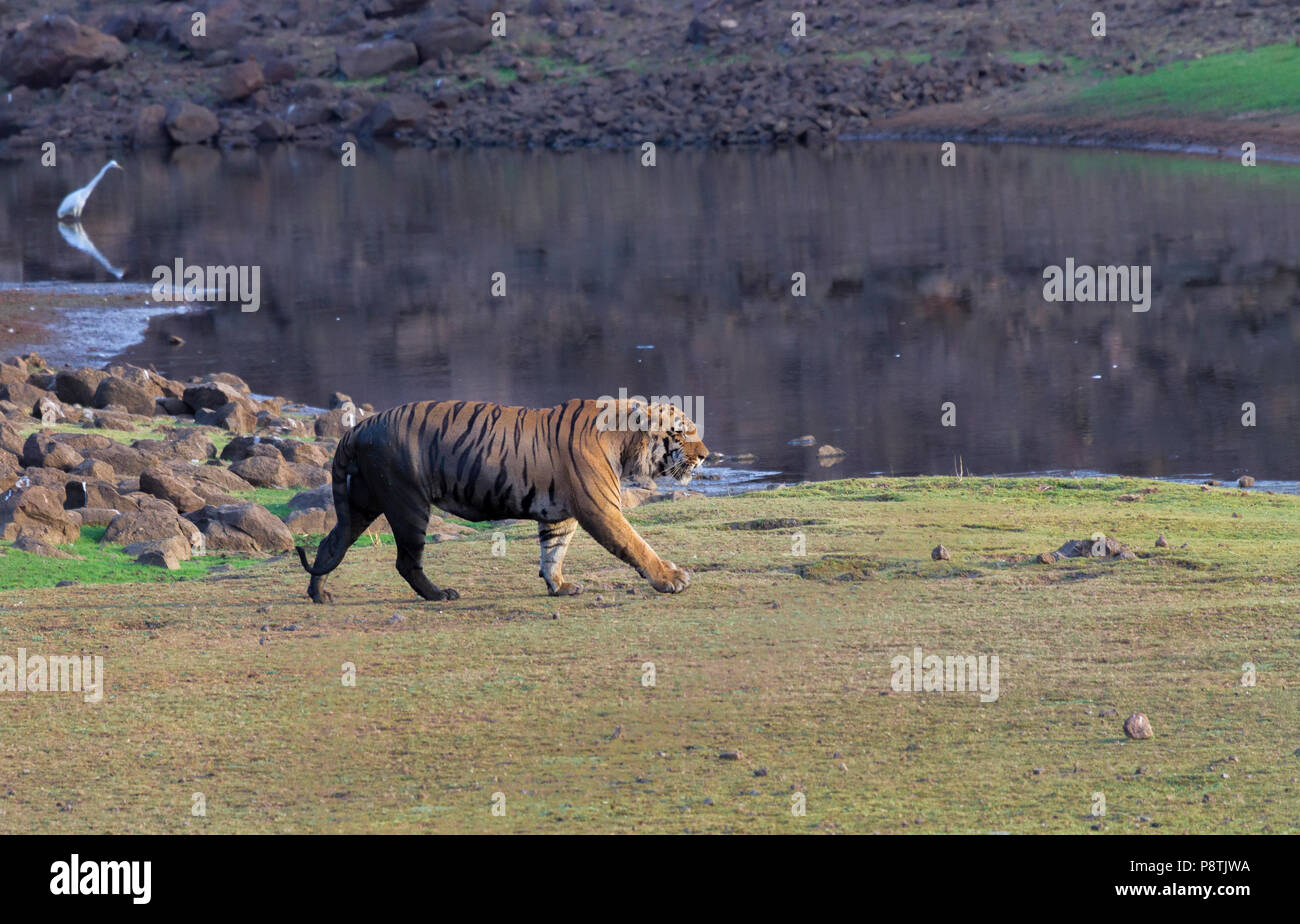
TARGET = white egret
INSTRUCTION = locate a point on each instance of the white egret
(75, 201)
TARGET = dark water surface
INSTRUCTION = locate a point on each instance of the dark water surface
(924, 286)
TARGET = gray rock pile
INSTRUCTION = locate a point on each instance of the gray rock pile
(168, 494)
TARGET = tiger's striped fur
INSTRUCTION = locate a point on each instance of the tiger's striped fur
(560, 466)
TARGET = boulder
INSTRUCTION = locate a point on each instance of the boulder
(273, 128)
(95, 516)
(242, 528)
(233, 416)
(127, 395)
(290, 449)
(99, 494)
(53, 49)
(312, 521)
(1083, 548)
(306, 475)
(335, 423)
(167, 485)
(382, 9)
(36, 512)
(265, 471)
(369, 59)
(138, 525)
(48, 411)
(212, 395)
(161, 558)
(1138, 726)
(124, 459)
(318, 521)
(10, 439)
(113, 419)
(9, 471)
(240, 81)
(84, 443)
(189, 444)
(216, 477)
(24, 395)
(47, 477)
(166, 553)
(392, 115)
(38, 547)
(300, 451)
(42, 451)
(94, 470)
(189, 123)
(316, 497)
(455, 35)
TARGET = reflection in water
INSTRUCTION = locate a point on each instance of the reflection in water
(924, 286)
(76, 236)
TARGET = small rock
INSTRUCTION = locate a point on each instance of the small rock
(1162, 542)
(939, 553)
(731, 755)
(1138, 726)
(1245, 481)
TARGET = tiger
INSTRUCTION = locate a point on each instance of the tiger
(560, 466)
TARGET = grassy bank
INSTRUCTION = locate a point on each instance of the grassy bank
(1233, 83)
(230, 686)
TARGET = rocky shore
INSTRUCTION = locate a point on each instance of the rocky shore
(565, 73)
(170, 493)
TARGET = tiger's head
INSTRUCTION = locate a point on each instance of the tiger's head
(675, 447)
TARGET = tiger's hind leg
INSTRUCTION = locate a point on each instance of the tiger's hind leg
(554, 539)
(345, 532)
(409, 526)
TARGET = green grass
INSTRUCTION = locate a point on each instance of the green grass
(1232, 83)
(101, 565)
(231, 685)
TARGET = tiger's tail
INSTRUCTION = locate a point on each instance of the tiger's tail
(333, 546)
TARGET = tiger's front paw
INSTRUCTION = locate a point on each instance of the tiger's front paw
(566, 589)
(673, 580)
